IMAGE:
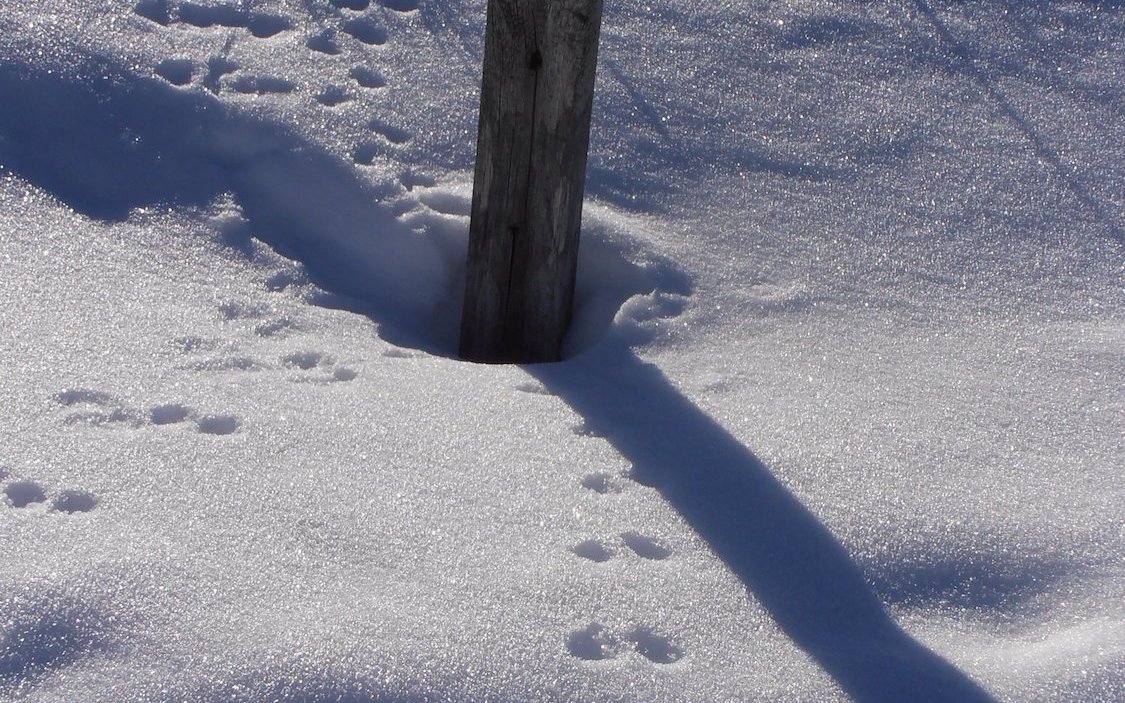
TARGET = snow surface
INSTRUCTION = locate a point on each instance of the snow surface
(842, 418)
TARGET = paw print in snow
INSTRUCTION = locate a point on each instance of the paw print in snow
(28, 494)
(324, 366)
(260, 24)
(642, 546)
(100, 409)
(596, 642)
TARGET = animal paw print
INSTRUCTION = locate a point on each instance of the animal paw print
(403, 6)
(391, 134)
(100, 409)
(182, 71)
(176, 71)
(388, 139)
(96, 409)
(603, 483)
(196, 349)
(262, 85)
(235, 16)
(642, 546)
(332, 96)
(323, 367)
(356, 5)
(174, 413)
(595, 642)
(367, 78)
(25, 493)
(269, 325)
(367, 30)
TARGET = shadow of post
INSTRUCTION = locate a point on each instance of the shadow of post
(786, 558)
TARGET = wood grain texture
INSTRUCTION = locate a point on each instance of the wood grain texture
(536, 98)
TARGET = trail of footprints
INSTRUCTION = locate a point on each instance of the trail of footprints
(357, 21)
(312, 366)
(597, 641)
(101, 409)
(352, 29)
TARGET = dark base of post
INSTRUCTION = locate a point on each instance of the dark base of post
(536, 99)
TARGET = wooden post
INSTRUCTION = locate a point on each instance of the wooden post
(534, 133)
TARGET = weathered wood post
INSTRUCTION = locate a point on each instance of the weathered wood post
(536, 97)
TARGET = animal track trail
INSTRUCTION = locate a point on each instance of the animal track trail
(233, 16)
(100, 409)
(363, 27)
(182, 71)
(96, 409)
(596, 642)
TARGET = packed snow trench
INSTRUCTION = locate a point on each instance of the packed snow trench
(842, 414)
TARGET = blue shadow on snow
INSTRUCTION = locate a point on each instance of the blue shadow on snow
(786, 558)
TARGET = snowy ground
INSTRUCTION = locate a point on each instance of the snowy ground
(843, 417)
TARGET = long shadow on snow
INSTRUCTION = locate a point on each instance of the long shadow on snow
(106, 142)
(786, 558)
